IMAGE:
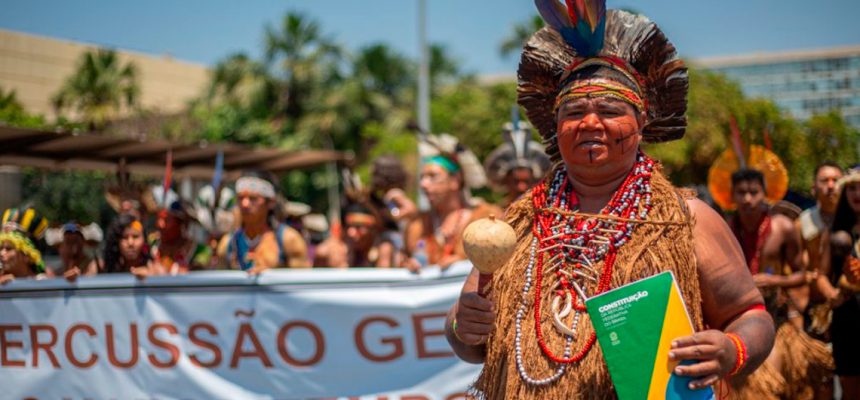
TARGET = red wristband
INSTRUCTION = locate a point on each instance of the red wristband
(741, 352)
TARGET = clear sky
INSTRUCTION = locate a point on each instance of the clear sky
(206, 31)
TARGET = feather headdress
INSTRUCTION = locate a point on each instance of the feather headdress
(585, 30)
(518, 151)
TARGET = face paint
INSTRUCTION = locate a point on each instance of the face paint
(597, 131)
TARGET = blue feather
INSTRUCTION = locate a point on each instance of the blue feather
(515, 117)
(554, 14)
(585, 39)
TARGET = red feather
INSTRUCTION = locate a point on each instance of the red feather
(737, 143)
(168, 176)
(571, 12)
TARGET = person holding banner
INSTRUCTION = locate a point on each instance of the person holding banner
(597, 83)
(19, 257)
(174, 249)
(261, 242)
(126, 250)
(75, 242)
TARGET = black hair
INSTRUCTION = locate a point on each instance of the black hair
(825, 164)
(112, 257)
(360, 206)
(387, 173)
(845, 218)
(747, 175)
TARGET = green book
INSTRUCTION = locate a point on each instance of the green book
(635, 326)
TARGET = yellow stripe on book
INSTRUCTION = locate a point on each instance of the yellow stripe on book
(676, 324)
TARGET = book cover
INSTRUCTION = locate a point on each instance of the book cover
(635, 326)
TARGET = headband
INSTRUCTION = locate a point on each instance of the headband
(252, 184)
(136, 225)
(25, 246)
(443, 162)
(361, 219)
(584, 88)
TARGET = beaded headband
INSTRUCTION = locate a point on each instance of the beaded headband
(252, 184)
(583, 88)
(595, 89)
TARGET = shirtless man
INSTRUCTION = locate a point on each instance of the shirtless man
(771, 247)
(811, 224)
(260, 244)
(770, 242)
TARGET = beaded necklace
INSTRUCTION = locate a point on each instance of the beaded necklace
(752, 245)
(568, 245)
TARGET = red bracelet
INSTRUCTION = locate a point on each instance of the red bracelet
(742, 355)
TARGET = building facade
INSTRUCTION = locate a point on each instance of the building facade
(803, 83)
(35, 67)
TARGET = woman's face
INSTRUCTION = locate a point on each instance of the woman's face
(852, 192)
(437, 183)
(360, 230)
(598, 133)
(131, 244)
(14, 261)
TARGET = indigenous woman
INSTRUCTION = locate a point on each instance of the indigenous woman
(126, 249)
(19, 257)
(595, 84)
(839, 282)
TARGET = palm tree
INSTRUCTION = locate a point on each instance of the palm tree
(243, 83)
(443, 67)
(383, 70)
(99, 89)
(307, 58)
(9, 101)
(521, 33)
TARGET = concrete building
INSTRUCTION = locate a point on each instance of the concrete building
(803, 83)
(35, 68)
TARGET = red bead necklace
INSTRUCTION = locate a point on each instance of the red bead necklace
(752, 254)
(573, 243)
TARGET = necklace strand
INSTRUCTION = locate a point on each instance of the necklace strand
(568, 245)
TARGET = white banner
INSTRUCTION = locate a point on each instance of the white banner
(224, 335)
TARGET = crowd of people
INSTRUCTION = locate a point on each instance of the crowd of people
(767, 286)
(248, 225)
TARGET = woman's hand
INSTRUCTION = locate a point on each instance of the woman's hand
(6, 278)
(475, 319)
(715, 355)
(72, 274)
(140, 272)
(258, 269)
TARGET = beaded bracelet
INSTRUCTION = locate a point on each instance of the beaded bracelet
(742, 355)
(454, 329)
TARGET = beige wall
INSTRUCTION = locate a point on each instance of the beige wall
(35, 67)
